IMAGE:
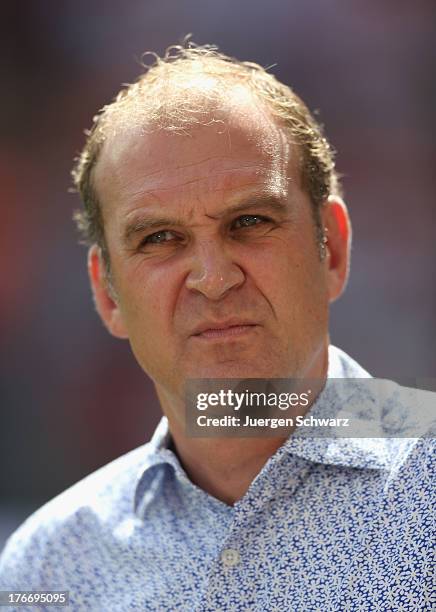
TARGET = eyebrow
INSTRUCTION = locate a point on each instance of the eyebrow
(265, 201)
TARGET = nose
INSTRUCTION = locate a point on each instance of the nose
(213, 273)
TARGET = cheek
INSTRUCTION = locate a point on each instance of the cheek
(147, 298)
(285, 267)
(293, 280)
(146, 301)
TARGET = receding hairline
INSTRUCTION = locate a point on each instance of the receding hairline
(223, 114)
(199, 110)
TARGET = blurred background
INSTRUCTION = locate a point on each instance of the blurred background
(73, 398)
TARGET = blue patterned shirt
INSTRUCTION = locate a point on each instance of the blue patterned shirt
(326, 525)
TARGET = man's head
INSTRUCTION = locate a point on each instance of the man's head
(207, 188)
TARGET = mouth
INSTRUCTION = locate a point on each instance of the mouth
(224, 330)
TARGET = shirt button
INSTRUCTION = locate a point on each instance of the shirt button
(230, 557)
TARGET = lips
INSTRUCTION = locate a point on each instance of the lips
(223, 328)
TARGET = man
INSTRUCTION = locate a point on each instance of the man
(218, 238)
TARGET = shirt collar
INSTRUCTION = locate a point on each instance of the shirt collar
(158, 456)
(371, 453)
(359, 452)
(159, 451)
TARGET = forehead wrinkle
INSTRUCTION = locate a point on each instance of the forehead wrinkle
(184, 166)
(231, 193)
(233, 174)
(266, 136)
(112, 159)
(112, 154)
(199, 163)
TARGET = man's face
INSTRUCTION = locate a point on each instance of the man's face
(213, 252)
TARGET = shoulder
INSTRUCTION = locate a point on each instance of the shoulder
(403, 420)
(380, 408)
(93, 505)
(403, 411)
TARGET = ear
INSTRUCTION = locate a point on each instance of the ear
(338, 233)
(105, 303)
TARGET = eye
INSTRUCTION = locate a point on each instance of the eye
(159, 238)
(249, 221)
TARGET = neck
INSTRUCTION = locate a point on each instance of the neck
(223, 467)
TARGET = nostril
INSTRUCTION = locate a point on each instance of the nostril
(215, 284)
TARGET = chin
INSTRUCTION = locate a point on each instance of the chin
(238, 369)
